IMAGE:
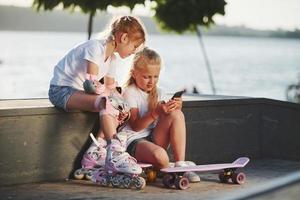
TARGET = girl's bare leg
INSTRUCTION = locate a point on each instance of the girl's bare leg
(108, 126)
(108, 123)
(82, 101)
(149, 152)
(171, 130)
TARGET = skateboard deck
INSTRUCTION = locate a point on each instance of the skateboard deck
(144, 165)
(174, 176)
(148, 172)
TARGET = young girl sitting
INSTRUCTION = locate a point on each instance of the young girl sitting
(75, 85)
(154, 124)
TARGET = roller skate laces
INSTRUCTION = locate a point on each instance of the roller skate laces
(117, 160)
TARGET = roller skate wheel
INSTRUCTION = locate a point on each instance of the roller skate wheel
(78, 174)
(115, 181)
(104, 183)
(182, 183)
(89, 175)
(151, 175)
(126, 182)
(140, 183)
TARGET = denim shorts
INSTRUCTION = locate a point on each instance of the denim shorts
(132, 146)
(59, 95)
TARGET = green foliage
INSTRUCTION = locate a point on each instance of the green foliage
(177, 15)
(186, 15)
(293, 92)
(87, 6)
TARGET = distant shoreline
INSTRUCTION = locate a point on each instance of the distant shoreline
(186, 34)
(26, 19)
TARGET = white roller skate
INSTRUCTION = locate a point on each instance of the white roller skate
(93, 159)
(121, 170)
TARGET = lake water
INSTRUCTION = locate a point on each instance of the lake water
(254, 67)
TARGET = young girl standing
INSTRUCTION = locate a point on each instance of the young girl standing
(75, 85)
(154, 123)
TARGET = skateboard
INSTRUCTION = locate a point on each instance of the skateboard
(148, 172)
(227, 171)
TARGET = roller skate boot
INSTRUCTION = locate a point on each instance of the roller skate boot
(121, 170)
(93, 159)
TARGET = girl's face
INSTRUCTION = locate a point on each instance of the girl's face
(146, 78)
(126, 47)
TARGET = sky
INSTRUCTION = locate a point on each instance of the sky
(258, 14)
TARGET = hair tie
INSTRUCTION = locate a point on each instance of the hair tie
(127, 18)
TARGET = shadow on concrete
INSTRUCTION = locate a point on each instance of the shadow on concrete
(76, 143)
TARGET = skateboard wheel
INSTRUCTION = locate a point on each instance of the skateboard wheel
(140, 183)
(78, 174)
(151, 175)
(182, 183)
(223, 178)
(168, 180)
(238, 178)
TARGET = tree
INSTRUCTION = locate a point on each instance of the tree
(89, 7)
(176, 15)
(293, 92)
(189, 15)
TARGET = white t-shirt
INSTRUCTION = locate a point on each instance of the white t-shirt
(137, 98)
(71, 69)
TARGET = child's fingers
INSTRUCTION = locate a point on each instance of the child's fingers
(178, 102)
(174, 104)
(122, 116)
(177, 99)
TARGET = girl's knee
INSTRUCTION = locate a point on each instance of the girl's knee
(176, 115)
(161, 157)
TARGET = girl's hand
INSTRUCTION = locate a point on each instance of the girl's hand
(96, 83)
(172, 105)
(123, 116)
(177, 103)
(164, 108)
(161, 108)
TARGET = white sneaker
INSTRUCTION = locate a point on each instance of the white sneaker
(171, 164)
(192, 176)
(190, 163)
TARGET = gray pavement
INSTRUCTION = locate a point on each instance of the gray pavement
(259, 173)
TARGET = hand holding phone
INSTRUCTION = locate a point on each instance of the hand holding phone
(178, 94)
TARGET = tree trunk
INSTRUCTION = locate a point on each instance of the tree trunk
(90, 24)
(210, 75)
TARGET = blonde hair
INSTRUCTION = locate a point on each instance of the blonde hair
(141, 61)
(126, 24)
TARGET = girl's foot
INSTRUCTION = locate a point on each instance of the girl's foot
(192, 176)
(95, 155)
(117, 160)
